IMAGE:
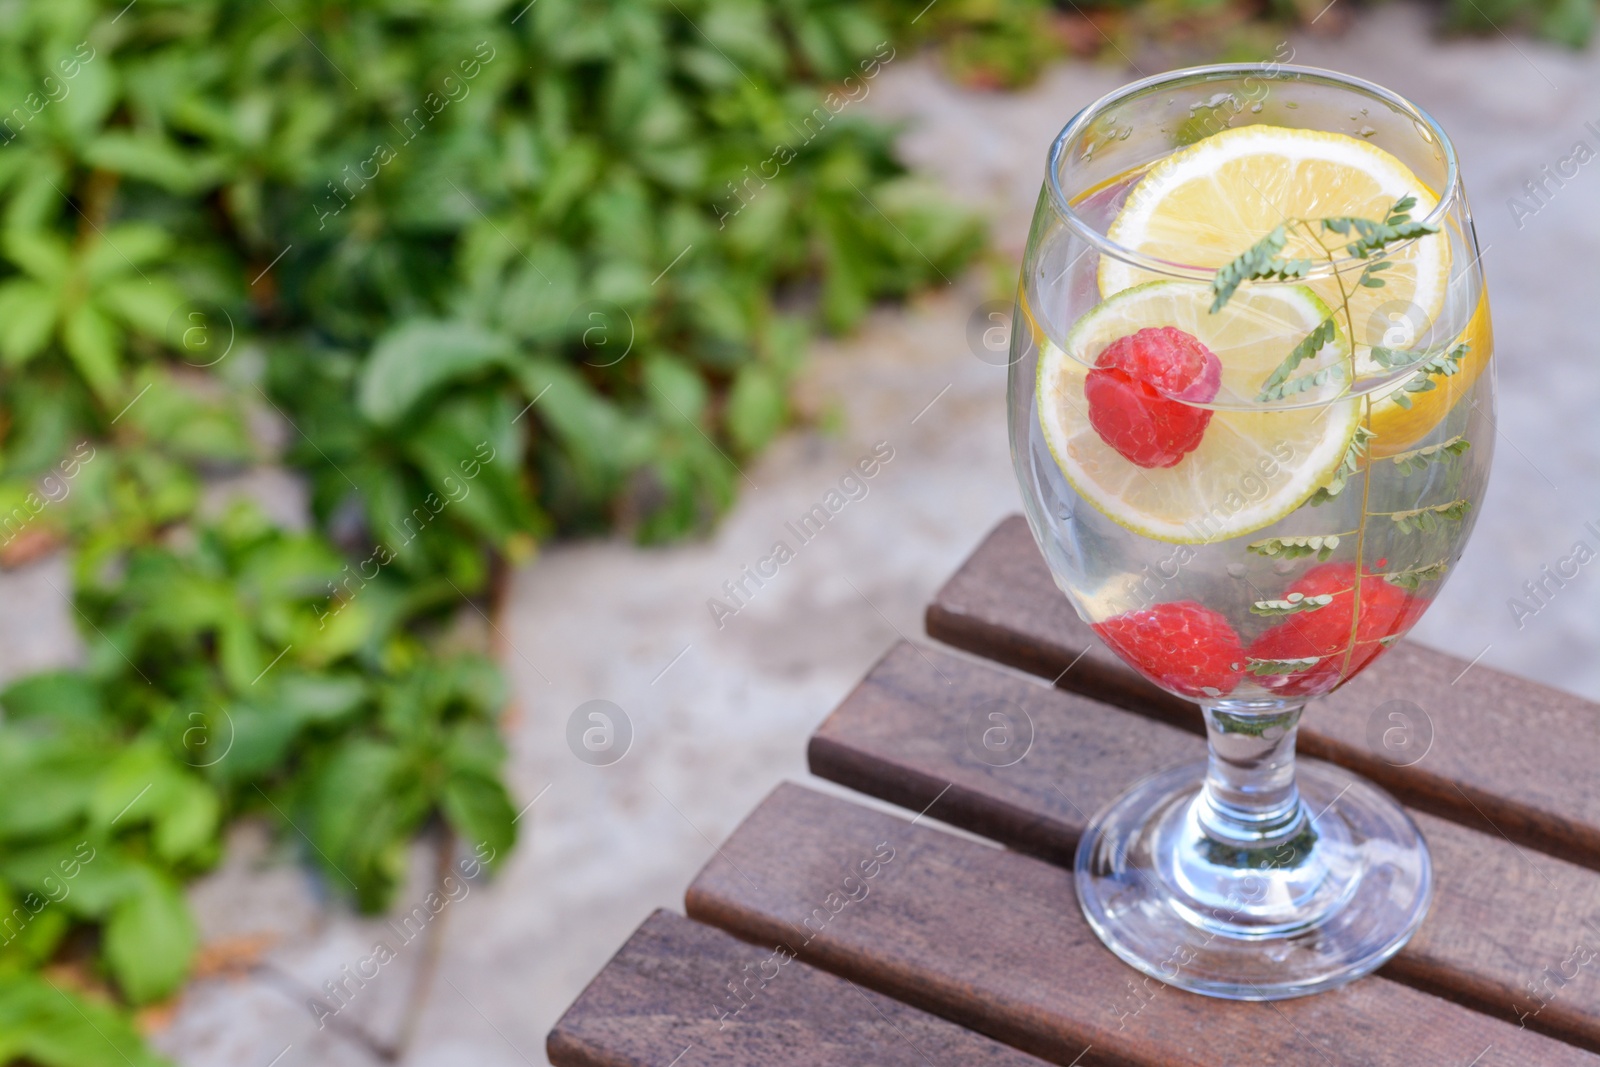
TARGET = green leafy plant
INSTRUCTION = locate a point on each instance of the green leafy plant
(1007, 43)
(498, 271)
(217, 684)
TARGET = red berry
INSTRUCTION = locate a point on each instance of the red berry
(1180, 646)
(1137, 395)
(1386, 611)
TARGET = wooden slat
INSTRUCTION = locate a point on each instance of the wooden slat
(1508, 756)
(1501, 917)
(994, 940)
(662, 1000)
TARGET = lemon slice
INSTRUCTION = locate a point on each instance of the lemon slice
(1397, 428)
(1252, 467)
(1205, 204)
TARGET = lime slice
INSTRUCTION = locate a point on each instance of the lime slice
(1252, 467)
(1205, 204)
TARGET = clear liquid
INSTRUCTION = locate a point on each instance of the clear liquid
(1400, 521)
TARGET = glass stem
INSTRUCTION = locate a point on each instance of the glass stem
(1250, 800)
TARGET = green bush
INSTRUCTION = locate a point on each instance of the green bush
(1006, 43)
(502, 271)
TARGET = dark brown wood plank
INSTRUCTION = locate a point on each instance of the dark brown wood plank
(1501, 918)
(1508, 756)
(666, 998)
(993, 939)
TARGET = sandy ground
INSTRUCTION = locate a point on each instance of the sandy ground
(717, 711)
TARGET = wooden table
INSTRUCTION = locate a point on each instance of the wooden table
(827, 932)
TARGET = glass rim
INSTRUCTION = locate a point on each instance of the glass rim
(1154, 264)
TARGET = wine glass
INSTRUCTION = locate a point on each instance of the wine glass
(1251, 425)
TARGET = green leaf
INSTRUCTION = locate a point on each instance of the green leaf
(49, 786)
(239, 653)
(1427, 519)
(177, 413)
(152, 158)
(676, 392)
(1443, 453)
(756, 408)
(1571, 22)
(1259, 261)
(35, 923)
(94, 90)
(146, 306)
(105, 876)
(1391, 358)
(120, 251)
(470, 451)
(1374, 237)
(589, 426)
(40, 253)
(1293, 604)
(145, 784)
(1256, 725)
(44, 1023)
(58, 696)
(365, 802)
(191, 814)
(93, 342)
(27, 319)
(1274, 388)
(1415, 576)
(322, 698)
(150, 938)
(420, 356)
(1273, 667)
(1306, 382)
(1319, 545)
(1348, 467)
(479, 811)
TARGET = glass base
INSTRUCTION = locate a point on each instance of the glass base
(1301, 915)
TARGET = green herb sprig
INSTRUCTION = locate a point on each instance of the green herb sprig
(1443, 452)
(1264, 261)
(1293, 604)
(1319, 545)
(1427, 519)
(1266, 668)
(1348, 467)
(1412, 578)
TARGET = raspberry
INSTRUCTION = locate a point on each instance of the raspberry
(1137, 395)
(1180, 646)
(1386, 611)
